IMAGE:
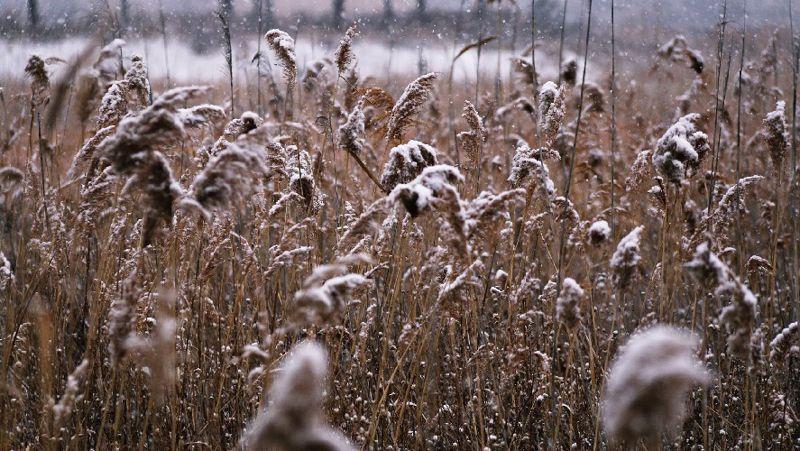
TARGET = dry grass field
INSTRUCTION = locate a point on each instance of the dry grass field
(312, 260)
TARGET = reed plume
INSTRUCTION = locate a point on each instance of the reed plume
(626, 258)
(776, 136)
(648, 384)
(282, 45)
(408, 106)
(293, 420)
(568, 303)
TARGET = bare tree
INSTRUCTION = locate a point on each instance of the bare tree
(226, 7)
(124, 15)
(33, 15)
(388, 11)
(421, 10)
(338, 13)
(268, 13)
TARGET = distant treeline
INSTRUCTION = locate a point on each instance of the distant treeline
(119, 19)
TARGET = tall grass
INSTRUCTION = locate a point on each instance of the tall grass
(183, 277)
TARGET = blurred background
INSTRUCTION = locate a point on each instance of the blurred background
(403, 37)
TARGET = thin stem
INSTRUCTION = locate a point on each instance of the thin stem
(613, 120)
(739, 133)
(715, 147)
(793, 183)
(535, 86)
(562, 240)
(568, 183)
(561, 40)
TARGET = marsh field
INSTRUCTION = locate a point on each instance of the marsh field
(462, 225)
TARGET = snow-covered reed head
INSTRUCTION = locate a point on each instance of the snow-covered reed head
(406, 162)
(528, 169)
(595, 99)
(599, 232)
(351, 133)
(567, 305)
(681, 150)
(156, 125)
(640, 173)
(740, 315)
(433, 188)
(11, 181)
(40, 81)
(569, 72)
(6, 273)
(328, 290)
(730, 203)
(775, 134)
(282, 45)
(138, 81)
(301, 179)
(551, 111)
(234, 173)
(245, 123)
(408, 106)
(647, 387)
(523, 71)
(471, 141)
(344, 52)
(132, 151)
(678, 50)
(72, 393)
(626, 258)
(130, 94)
(785, 343)
(121, 317)
(707, 267)
(294, 419)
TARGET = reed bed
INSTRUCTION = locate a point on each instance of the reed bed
(351, 269)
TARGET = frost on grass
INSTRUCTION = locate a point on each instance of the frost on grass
(647, 387)
(294, 418)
